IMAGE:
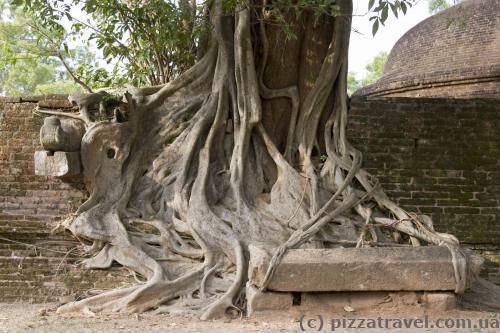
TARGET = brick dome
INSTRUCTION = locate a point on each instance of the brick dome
(455, 53)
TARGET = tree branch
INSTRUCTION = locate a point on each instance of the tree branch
(70, 72)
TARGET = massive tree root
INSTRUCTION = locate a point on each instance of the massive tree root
(184, 177)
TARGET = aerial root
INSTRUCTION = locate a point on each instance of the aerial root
(137, 298)
(219, 307)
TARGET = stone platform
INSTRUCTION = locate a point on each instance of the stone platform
(354, 279)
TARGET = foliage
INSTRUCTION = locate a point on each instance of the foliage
(353, 84)
(28, 61)
(375, 69)
(59, 87)
(380, 10)
(32, 54)
(150, 42)
(435, 6)
(28, 77)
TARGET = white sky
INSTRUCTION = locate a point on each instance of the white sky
(363, 46)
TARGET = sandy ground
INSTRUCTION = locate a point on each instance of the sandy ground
(23, 317)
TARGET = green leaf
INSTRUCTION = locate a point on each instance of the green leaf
(370, 4)
(375, 27)
(385, 13)
(403, 7)
(394, 9)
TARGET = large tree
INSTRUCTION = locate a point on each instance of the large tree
(247, 147)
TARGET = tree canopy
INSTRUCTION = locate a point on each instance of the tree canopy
(151, 42)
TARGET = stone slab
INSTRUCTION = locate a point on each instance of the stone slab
(59, 164)
(426, 268)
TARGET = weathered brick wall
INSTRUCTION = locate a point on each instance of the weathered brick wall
(35, 264)
(439, 157)
(22, 194)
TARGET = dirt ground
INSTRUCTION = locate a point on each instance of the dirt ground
(24, 317)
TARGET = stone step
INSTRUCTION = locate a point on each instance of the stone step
(426, 268)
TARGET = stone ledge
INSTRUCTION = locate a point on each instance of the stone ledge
(33, 98)
(263, 302)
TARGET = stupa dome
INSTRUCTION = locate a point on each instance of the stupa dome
(455, 53)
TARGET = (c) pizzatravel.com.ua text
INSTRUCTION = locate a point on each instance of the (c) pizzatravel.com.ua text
(318, 323)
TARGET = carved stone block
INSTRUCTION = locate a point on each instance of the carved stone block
(61, 134)
(441, 301)
(58, 164)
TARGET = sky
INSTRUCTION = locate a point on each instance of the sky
(363, 46)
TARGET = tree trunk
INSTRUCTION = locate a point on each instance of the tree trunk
(247, 147)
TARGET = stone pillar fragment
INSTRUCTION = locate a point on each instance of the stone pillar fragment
(58, 164)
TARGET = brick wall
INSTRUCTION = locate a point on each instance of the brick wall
(34, 263)
(22, 194)
(439, 157)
